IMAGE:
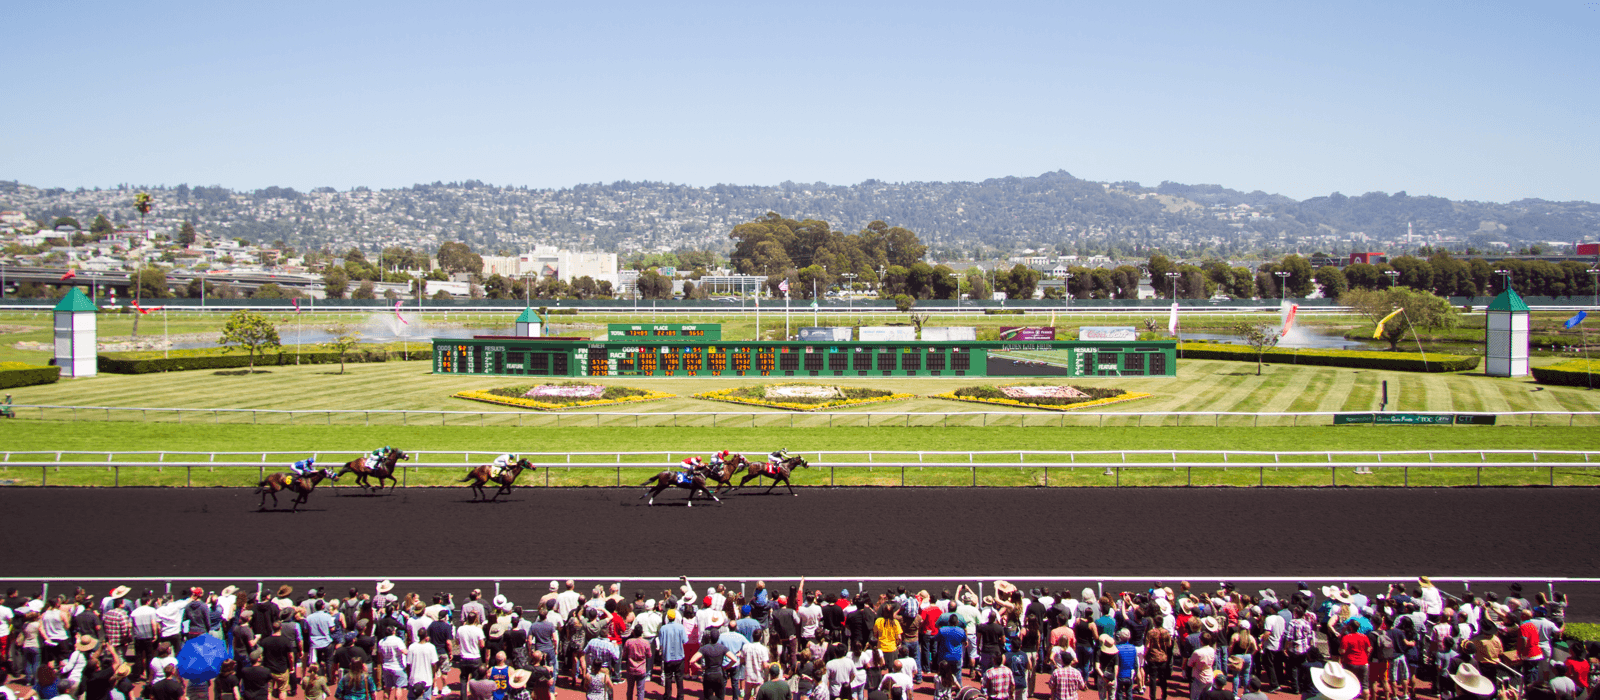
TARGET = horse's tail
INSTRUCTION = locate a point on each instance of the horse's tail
(469, 477)
(648, 481)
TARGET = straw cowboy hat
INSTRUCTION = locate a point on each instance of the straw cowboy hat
(1005, 587)
(717, 619)
(1335, 683)
(500, 601)
(86, 643)
(1425, 582)
(1468, 678)
(120, 591)
(385, 586)
(1211, 625)
(230, 590)
(1107, 644)
(285, 590)
(519, 678)
(1186, 605)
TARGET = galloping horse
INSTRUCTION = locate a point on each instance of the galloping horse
(669, 478)
(723, 475)
(777, 471)
(301, 486)
(481, 475)
(384, 470)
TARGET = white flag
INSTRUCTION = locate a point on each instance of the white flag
(784, 286)
(1172, 323)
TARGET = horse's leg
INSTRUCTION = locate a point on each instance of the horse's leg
(770, 488)
(789, 486)
(263, 505)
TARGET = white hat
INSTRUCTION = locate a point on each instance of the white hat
(385, 586)
(1335, 683)
(35, 605)
(554, 585)
(1244, 625)
(1211, 625)
(716, 619)
(650, 603)
(500, 601)
(1468, 678)
(1164, 605)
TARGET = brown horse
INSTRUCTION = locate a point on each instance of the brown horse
(482, 475)
(384, 470)
(777, 471)
(284, 481)
(669, 478)
(724, 474)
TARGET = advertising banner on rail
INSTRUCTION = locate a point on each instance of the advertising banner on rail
(881, 334)
(1027, 333)
(825, 334)
(1414, 418)
(949, 333)
(1115, 333)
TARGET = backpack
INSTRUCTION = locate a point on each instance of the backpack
(1383, 644)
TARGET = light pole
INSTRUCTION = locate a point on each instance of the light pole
(957, 293)
(849, 299)
(1283, 281)
(1506, 274)
(1393, 275)
(1066, 288)
(1595, 276)
(1174, 277)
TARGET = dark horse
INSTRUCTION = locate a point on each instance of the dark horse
(724, 474)
(778, 471)
(384, 470)
(301, 486)
(669, 478)
(481, 475)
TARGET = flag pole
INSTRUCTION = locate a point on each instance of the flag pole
(1414, 337)
(166, 335)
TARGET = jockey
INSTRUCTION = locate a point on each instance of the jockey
(502, 463)
(778, 456)
(690, 466)
(303, 467)
(720, 458)
(377, 456)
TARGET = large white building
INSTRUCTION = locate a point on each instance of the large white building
(566, 265)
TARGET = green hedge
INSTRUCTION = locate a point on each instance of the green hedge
(22, 374)
(148, 361)
(1002, 312)
(1394, 361)
(1569, 373)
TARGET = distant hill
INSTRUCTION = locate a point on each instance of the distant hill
(1052, 213)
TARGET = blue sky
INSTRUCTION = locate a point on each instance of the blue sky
(1469, 100)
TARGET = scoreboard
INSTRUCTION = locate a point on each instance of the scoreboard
(639, 332)
(645, 357)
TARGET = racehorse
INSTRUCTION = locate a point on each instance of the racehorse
(483, 475)
(301, 486)
(384, 470)
(723, 475)
(777, 471)
(670, 478)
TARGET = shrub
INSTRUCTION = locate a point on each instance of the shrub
(612, 393)
(1003, 312)
(1393, 361)
(23, 374)
(993, 392)
(148, 361)
(1570, 373)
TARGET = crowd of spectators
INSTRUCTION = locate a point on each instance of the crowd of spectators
(1333, 643)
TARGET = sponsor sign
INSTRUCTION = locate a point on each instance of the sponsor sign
(1117, 333)
(947, 333)
(825, 334)
(879, 334)
(1027, 333)
(1414, 418)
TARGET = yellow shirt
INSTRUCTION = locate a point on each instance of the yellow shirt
(888, 634)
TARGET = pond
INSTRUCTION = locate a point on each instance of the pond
(1297, 337)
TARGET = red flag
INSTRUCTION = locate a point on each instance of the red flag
(296, 304)
(143, 310)
(70, 274)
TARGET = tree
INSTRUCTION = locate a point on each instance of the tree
(366, 291)
(1331, 282)
(688, 289)
(498, 287)
(186, 234)
(1261, 337)
(1018, 283)
(270, 290)
(344, 339)
(456, 257)
(101, 227)
(250, 331)
(654, 285)
(904, 302)
(1422, 309)
(443, 295)
(66, 221)
(335, 282)
(152, 282)
(1159, 265)
(1299, 283)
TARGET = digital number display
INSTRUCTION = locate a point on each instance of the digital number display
(718, 361)
(765, 360)
(693, 362)
(636, 332)
(741, 361)
(647, 362)
(697, 333)
(670, 361)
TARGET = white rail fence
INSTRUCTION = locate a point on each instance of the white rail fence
(1113, 463)
(533, 583)
(766, 418)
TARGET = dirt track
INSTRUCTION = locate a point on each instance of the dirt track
(1202, 534)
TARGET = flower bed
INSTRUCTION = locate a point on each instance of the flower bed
(1046, 396)
(801, 396)
(558, 397)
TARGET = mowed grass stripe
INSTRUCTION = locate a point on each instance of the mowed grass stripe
(1285, 390)
(1315, 390)
(1338, 392)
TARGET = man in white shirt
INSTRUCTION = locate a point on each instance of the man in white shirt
(754, 657)
(422, 658)
(145, 631)
(393, 652)
(568, 600)
(469, 640)
(169, 615)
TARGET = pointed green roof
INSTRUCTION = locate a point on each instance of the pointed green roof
(1509, 301)
(75, 301)
(529, 316)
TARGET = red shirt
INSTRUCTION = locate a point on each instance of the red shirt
(1528, 645)
(619, 626)
(1578, 671)
(1355, 647)
(930, 620)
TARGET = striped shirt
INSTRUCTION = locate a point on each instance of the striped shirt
(118, 627)
(1299, 636)
(1066, 683)
(997, 683)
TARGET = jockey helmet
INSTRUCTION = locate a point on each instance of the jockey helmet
(310, 461)
(723, 454)
(697, 461)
